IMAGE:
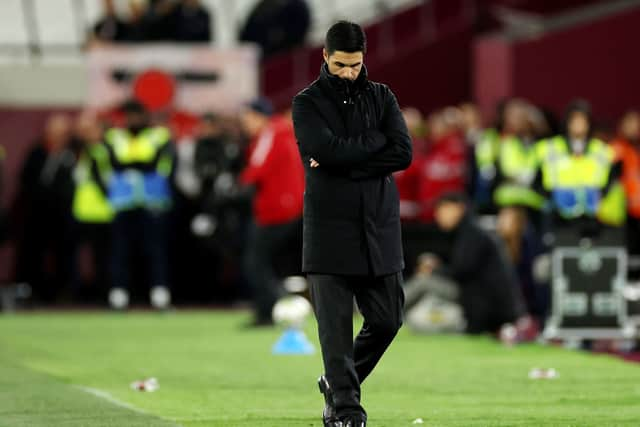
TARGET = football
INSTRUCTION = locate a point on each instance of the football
(291, 311)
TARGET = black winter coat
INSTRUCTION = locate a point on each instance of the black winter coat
(490, 294)
(357, 134)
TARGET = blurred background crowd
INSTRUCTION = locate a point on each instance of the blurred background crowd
(273, 25)
(140, 201)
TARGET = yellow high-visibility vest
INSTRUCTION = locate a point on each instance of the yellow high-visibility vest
(486, 153)
(133, 184)
(517, 164)
(90, 204)
(563, 170)
(141, 148)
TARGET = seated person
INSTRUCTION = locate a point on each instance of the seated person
(474, 274)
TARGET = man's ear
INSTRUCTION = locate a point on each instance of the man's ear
(325, 55)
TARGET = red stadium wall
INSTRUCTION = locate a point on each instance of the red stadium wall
(597, 61)
(433, 75)
(493, 75)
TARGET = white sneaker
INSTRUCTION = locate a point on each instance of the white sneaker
(118, 298)
(160, 297)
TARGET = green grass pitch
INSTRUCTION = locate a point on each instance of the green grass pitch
(212, 373)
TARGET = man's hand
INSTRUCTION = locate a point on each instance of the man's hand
(313, 163)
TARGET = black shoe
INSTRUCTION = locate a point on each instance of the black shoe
(356, 421)
(329, 417)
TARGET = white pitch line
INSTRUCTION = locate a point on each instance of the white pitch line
(109, 398)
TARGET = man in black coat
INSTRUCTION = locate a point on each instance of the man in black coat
(489, 292)
(352, 137)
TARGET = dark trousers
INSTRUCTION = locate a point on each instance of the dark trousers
(144, 230)
(97, 237)
(44, 255)
(264, 245)
(348, 363)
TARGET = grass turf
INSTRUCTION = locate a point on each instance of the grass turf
(212, 373)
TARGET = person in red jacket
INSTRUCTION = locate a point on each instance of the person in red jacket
(406, 181)
(627, 146)
(441, 169)
(275, 173)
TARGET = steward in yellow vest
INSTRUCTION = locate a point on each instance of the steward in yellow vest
(516, 165)
(90, 207)
(92, 172)
(506, 160)
(142, 163)
(139, 189)
(579, 173)
(485, 155)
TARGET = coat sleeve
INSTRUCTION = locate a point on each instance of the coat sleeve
(397, 154)
(316, 139)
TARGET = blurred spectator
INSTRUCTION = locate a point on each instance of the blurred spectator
(474, 274)
(218, 162)
(44, 198)
(627, 146)
(483, 166)
(216, 151)
(91, 210)
(110, 28)
(441, 169)
(185, 21)
(523, 246)
(192, 22)
(538, 122)
(514, 163)
(277, 25)
(579, 174)
(406, 179)
(472, 131)
(158, 22)
(208, 220)
(471, 123)
(142, 160)
(416, 126)
(275, 173)
(135, 28)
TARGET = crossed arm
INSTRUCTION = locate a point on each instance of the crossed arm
(318, 141)
(370, 154)
(396, 154)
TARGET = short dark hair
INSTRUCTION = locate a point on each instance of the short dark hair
(345, 36)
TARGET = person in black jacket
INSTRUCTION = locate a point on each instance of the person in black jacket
(277, 25)
(44, 201)
(488, 289)
(352, 137)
